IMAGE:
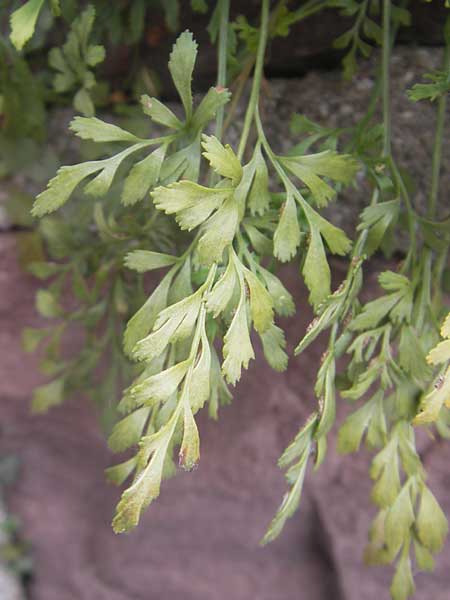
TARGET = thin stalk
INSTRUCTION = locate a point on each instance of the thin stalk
(398, 179)
(222, 61)
(374, 97)
(387, 150)
(386, 56)
(308, 9)
(241, 80)
(438, 274)
(425, 299)
(438, 139)
(254, 96)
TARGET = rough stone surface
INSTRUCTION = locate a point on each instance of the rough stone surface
(199, 541)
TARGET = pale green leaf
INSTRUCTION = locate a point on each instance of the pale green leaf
(377, 430)
(402, 586)
(352, 430)
(190, 446)
(424, 558)
(43, 270)
(373, 312)
(431, 404)
(183, 164)
(339, 167)
(222, 292)
(316, 270)
(440, 353)
(56, 60)
(301, 443)
(392, 282)
(146, 486)
(208, 107)
(143, 177)
(445, 329)
(67, 179)
(362, 383)
(47, 305)
(200, 384)
(192, 203)
(182, 284)
(326, 392)
(119, 473)
(387, 486)
(330, 164)
(128, 431)
(399, 519)
(274, 345)
(100, 185)
(261, 305)
(336, 239)
(23, 22)
(237, 348)
(82, 103)
(94, 55)
(321, 191)
(411, 356)
(221, 158)
(431, 522)
(100, 131)
(243, 187)
(376, 551)
(159, 387)
(31, 338)
(289, 505)
(147, 260)
(181, 66)
(172, 324)
(143, 320)
(48, 395)
(283, 302)
(260, 242)
(219, 233)
(130, 402)
(378, 218)
(384, 469)
(287, 235)
(219, 392)
(61, 187)
(259, 195)
(181, 308)
(160, 113)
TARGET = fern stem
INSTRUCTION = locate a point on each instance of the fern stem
(241, 81)
(222, 61)
(438, 139)
(426, 293)
(387, 150)
(386, 56)
(307, 10)
(254, 96)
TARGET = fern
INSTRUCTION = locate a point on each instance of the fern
(211, 223)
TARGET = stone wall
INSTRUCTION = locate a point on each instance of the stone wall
(199, 541)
